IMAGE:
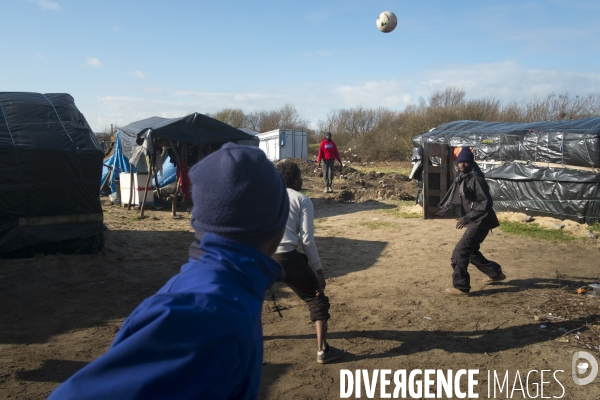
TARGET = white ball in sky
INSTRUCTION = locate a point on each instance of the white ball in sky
(387, 21)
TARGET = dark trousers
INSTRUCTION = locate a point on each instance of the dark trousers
(299, 276)
(467, 251)
(328, 172)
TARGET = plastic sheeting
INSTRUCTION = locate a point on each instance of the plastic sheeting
(119, 163)
(50, 167)
(520, 186)
(573, 142)
(196, 129)
(114, 165)
(558, 193)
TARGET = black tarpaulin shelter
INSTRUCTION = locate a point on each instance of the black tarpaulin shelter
(547, 168)
(194, 129)
(186, 140)
(50, 169)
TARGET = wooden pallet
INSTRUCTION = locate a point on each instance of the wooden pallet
(435, 177)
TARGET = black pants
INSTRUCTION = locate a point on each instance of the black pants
(299, 276)
(467, 251)
(328, 172)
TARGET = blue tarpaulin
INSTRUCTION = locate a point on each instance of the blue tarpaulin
(119, 163)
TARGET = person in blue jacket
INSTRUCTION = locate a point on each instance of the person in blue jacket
(200, 335)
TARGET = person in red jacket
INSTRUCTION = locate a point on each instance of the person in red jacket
(328, 153)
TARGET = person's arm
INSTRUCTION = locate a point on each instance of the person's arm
(337, 154)
(307, 234)
(320, 155)
(483, 198)
(170, 349)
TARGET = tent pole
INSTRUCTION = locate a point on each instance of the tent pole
(148, 180)
(175, 152)
(156, 174)
(130, 186)
(184, 156)
(174, 202)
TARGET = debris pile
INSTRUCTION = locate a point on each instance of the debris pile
(352, 185)
(570, 316)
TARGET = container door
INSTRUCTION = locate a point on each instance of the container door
(300, 146)
(283, 146)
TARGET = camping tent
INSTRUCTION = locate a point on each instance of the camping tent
(50, 166)
(117, 163)
(547, 168)
(164, 142)
(194, 129)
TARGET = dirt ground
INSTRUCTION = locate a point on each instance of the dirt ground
(386, 277)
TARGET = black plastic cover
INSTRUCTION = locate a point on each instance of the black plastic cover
(520, 186)
(196, 128)
(557, 193)
(50, 166)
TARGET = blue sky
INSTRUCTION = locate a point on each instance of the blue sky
(126, 60)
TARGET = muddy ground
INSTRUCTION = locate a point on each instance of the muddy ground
(386, 276)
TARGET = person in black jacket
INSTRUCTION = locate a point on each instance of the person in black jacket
(471, 192)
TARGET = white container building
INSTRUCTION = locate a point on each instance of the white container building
(284, 143)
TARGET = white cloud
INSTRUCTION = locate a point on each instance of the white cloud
(505, 82)
(46, 5)
(138, 74)
(93, 62)
(116, 29)
(502, 81)
(154, 90)
(39, 55)
(122, 110)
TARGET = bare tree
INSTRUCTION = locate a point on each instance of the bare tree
(231, 116)
(449, 97)
(512, 112)
(105, 135)
(486, 109)
(287, 117)
(382, 133)
(562, 106)
(290, 118)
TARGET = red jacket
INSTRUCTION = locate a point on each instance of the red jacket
(328, 151)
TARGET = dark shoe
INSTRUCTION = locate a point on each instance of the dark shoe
(332, 354)
(456, 292)
(497, 278)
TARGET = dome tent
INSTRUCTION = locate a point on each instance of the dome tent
(50, 167)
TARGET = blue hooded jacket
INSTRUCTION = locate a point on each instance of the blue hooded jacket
(198, 337)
